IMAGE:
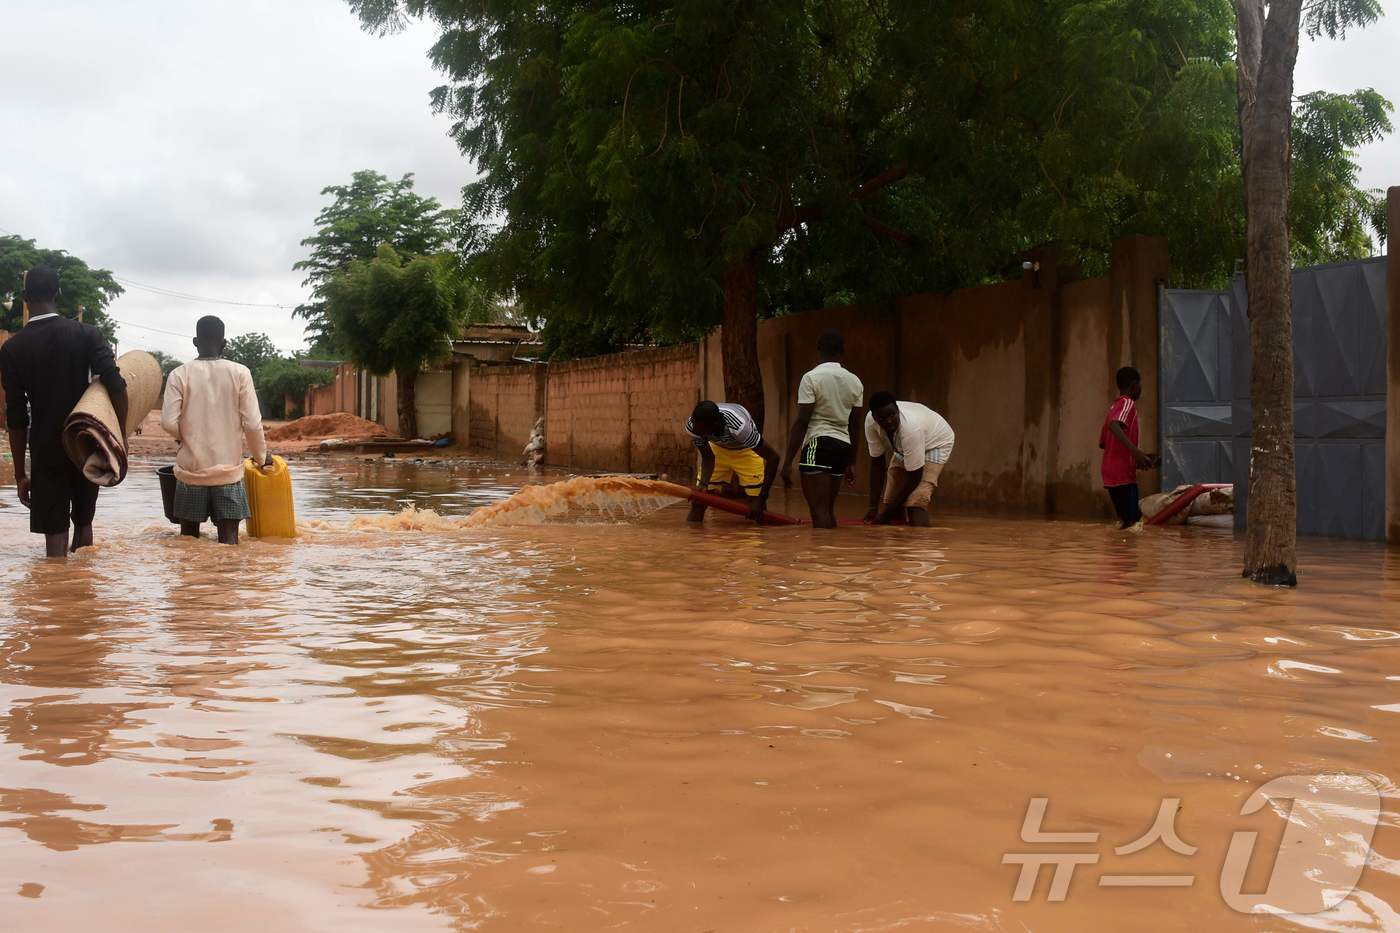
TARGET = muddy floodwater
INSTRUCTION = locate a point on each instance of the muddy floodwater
(640, 725)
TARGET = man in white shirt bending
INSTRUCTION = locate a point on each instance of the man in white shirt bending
(828, 412)
(211, 408)
(909, 446)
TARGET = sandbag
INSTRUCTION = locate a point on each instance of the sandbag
(1157, 502)
(91, 436)
(1214, 502)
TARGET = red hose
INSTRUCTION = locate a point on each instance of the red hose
(769, 518)
(739, 508)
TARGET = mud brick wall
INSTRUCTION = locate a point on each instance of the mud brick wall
(624, 412)
(503, 404)
(335, 396)
(662, 389)
(320, 400)
(1023, 370)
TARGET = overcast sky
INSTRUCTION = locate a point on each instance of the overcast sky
(183, 143)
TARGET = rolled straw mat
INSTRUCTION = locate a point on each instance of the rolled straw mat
(91, 437)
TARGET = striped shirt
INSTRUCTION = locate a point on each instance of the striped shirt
(740, 433)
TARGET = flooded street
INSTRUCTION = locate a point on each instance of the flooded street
(644, 725)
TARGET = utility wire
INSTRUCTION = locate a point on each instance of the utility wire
(157, 330)
(184, 296)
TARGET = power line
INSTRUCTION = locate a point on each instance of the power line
(185, 296)
(169, 333)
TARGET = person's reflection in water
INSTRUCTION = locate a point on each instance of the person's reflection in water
(61, 639)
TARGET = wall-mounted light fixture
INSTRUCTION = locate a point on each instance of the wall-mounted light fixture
(1031, 267)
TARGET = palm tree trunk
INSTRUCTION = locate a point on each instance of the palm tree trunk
(1268, 50)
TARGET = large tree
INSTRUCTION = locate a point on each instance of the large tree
(370, 211)
(84, 288)
(168, 363)
(649, 158)
(1268, 50)
(283, 377)
(397, 313)
(649, 170)
(252, 350)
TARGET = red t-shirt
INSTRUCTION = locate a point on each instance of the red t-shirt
(1119, 468)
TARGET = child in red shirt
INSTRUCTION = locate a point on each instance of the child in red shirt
(1122, 457)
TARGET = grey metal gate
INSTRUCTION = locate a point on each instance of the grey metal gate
(1339, 360)
(1196, 387)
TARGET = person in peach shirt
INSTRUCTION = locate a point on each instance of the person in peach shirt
(211, 409)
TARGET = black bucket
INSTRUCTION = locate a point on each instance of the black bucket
(166, 474)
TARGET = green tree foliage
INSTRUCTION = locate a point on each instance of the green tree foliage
(1331, 217)
(91, 290)
(168, 363)
(639, 156)
(281, 377)
(397, 313)
(362, 215)
(252, 350)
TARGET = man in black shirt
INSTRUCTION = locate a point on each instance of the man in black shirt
(45, 368)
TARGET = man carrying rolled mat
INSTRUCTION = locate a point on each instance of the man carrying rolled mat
(211, 408)
(45, 369)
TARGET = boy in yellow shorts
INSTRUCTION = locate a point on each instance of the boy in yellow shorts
(731, 449)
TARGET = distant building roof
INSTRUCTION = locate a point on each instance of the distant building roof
(497, 343)
(492, 333)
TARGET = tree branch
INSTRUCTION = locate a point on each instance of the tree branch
(886, 178)
(666, 126)
(1249, 34)
(797, 216)
(791, 217)
(885, 230)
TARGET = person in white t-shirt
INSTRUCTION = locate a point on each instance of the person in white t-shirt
(828, 412)
(909, 446)
(211, 409)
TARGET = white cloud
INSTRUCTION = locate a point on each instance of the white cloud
(185, 144)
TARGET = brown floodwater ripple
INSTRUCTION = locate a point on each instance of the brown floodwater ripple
(422, 723)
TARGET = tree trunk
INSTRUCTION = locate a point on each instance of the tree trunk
(743, 381)
(408, 408)
(1268, 49)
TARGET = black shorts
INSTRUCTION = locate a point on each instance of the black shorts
(58, 493)
(1125, 503)
(826, 455)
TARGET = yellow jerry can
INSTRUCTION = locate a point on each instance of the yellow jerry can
(270, 500)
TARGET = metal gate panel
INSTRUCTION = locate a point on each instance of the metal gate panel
(1196, 387)
(1339, 366)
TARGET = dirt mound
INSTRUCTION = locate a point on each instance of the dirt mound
(340, 424)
